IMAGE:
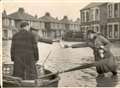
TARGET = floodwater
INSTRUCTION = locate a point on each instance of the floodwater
(56, 58)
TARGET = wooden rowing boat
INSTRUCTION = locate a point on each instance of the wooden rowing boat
(10, 81)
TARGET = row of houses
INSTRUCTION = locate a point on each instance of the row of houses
(103, 18)
(48, 26)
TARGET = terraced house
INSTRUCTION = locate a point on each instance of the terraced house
(113, 21)
(48, 26)
(102, 18)
(11, 22)
(55, 28)
(7, 26)
(69, 25)
(93, 16)
(52, 27)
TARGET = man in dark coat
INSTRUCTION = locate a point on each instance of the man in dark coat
(24, 53)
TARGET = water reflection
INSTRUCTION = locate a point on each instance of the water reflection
(107, 82)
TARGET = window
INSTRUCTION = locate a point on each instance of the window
(94, 14)
(83, 17)
(82, 29)
(92, 27)
(116, 10)
(87, 16)
(110, 31)
(5, 34)
(97, 29)
(110, 10)
(42, 25)
(12, 23)
(97, 14)
(74, 26)
(116, 32)
(53, 25)
(58, 25)
(87, 28)
(4, 22)
(91, 15)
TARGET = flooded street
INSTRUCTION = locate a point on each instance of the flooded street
(61, 59)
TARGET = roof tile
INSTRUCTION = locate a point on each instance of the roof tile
(94, 4)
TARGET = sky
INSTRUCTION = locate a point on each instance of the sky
(57, 8)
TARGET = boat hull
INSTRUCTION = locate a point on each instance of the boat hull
(10, 81)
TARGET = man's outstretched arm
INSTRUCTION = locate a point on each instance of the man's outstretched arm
(49, 41)
(79, 45)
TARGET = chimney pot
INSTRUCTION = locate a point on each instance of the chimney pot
(47, 14)
(65, 17)
(21, 10)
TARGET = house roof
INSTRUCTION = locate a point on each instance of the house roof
(94, 4)
(48, 18)
(4, 14)
(77, 21)
(65, 20)
(21, 15)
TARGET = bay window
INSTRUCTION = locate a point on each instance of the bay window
(97, 14)
(113, 10)
(83, 17)
(116, 9)
(110, 31)
(110, 10)
(116, 31)
(87, 16)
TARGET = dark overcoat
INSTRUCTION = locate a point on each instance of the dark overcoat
(24, 54)
(103, 65)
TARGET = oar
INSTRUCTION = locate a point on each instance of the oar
(47, 57)
(84, 66)
(43, 64)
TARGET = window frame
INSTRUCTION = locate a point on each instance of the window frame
(110, 9)
(117, 11)
(113, 30)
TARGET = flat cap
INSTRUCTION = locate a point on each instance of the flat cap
(23, 24)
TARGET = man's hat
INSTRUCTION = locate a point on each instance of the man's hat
(23, 24)
(34, 29)
(90, 31)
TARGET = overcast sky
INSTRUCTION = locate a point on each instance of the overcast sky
(57, 8)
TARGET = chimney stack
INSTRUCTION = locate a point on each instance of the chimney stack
(47, 14)
(65, 17)
(21, 10)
